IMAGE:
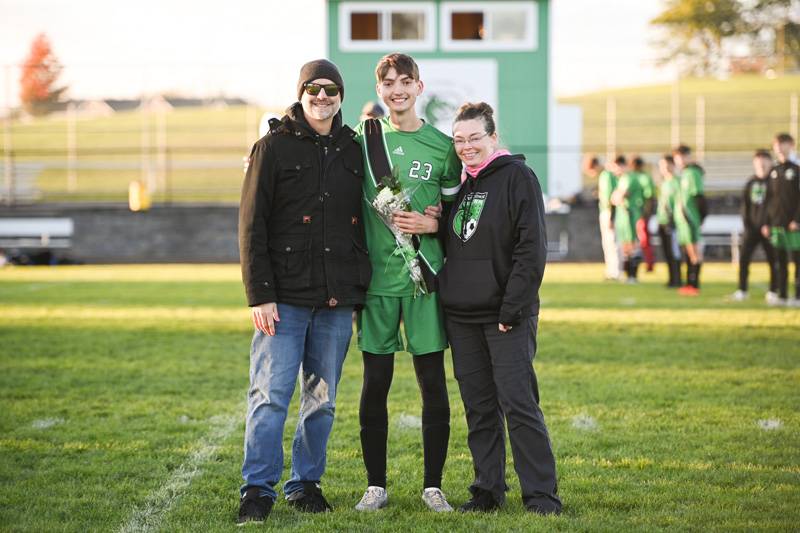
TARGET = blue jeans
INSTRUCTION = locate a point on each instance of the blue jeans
(313, 343)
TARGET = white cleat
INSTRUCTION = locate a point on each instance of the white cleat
(373, 499)
(435, 500)
(793, 302)
(739, 296)
(772, 298)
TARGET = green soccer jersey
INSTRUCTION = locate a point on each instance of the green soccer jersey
(646, 183)
(634, 195)
(630, 211)
(691, 185)
(606, 183)
(667, 195)
(430, 171)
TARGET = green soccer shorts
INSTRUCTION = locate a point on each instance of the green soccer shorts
(688, 233)
(783, 239)
(625, 228)
(423, 321)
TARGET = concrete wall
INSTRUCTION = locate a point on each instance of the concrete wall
(199, 234)
(113, 234)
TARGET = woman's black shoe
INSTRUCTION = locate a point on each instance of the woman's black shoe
(481, 501)
(254, 508)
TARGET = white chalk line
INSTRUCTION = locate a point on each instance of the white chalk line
(150, 515)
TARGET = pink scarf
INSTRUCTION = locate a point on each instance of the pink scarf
(474, 171)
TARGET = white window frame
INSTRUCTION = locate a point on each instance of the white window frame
(428, 9)
(529, 43)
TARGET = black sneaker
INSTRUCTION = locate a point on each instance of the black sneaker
(543, 510)
(310, 499)
(254, 508)
(481, 501)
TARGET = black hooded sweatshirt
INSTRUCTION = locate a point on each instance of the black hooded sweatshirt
(754, 203)
(496, 246)
(783, 195)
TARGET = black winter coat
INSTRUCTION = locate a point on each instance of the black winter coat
(783, 195)
(301, 237)
(496, 246)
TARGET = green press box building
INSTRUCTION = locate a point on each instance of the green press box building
(498, 52)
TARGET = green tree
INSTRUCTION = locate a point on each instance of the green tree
(694, 31)
(773, 29)
(40, 72)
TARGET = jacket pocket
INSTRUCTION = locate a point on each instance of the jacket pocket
(354, 165)
(291, 262)
(299, 177)
(469, 285)
(350, 262)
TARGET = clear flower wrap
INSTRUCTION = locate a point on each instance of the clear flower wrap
(391, 198)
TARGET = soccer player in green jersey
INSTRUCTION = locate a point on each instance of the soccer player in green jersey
(424, 160)
(667, 196)
(689, 214)
(648, 207)
(628, 200)
(606, 183)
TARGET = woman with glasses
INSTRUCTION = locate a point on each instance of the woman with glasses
(489, 287)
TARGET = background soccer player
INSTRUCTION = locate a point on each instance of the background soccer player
(648, 208)
(754, 216)
(667, 195)
(689, 214)
(429, 170)
(606, 183)
(627, 199)
(783, 215)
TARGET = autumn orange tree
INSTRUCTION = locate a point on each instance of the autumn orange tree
(40, 72)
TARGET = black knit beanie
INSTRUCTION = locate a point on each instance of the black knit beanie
(318, 69)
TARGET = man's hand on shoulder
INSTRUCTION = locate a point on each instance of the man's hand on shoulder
(264, 317)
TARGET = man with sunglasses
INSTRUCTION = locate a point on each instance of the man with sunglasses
(305, 269)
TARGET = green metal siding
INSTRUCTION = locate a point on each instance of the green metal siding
(523, 84)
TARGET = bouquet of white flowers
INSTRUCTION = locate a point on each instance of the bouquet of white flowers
(391, 197)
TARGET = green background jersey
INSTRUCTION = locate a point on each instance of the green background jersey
(430, 171)
(691, 185)
(606, 183)
(646, 183)
(667, 195)
(634, 198)
(630, 211)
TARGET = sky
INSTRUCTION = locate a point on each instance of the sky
(254, 48)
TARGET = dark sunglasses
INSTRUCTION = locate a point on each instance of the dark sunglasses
(331, 89)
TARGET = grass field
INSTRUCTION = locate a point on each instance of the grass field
(122, 404)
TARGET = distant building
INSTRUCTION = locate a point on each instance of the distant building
(165, 103)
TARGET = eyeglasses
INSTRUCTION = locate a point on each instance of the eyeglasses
(460, 143)
(331, 89)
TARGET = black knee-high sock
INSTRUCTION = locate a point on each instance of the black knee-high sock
(429, 369)
(674, 273)
(626, 266)
(635, 262)
(691, 275)
(373, 415)
(697, 275)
